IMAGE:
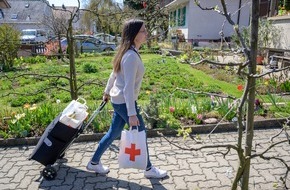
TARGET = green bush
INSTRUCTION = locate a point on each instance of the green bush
(10, 43)
(89, 68)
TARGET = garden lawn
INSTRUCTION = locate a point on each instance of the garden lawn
(163, 75)
(37, 95)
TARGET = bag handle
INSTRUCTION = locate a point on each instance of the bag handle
(84, 102)
(135, 128)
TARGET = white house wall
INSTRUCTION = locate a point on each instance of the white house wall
(202, 25)
(283, 25)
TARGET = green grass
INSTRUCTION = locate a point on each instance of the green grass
(225, 87)
(162, 77)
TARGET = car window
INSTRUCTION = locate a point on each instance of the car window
(85, 39)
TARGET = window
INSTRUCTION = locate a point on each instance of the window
(182, 16)
(14, 16)
(178, 17)
(1, 14)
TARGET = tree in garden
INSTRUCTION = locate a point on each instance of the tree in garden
(245, 119)
(58, 24)
(72, 15)
(156, 17)
(10, 43)
(66, 29)
(105, 16)
(62, 27)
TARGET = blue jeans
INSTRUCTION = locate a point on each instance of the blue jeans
(120, 118)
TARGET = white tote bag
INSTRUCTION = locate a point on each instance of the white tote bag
(133, 149)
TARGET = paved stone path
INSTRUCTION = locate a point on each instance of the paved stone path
(186, 169)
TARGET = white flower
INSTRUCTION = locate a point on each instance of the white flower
(19, 116)
(58, 101)
(193, 109)
(13, 121)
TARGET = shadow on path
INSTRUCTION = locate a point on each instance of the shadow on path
(73, 178)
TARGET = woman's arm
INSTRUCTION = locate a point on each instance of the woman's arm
(109, 85)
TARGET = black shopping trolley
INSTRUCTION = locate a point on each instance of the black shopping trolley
(56, 140)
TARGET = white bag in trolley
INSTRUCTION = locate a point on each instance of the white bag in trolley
(74, 114)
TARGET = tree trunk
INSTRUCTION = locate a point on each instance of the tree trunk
(59, 51)
(251, 82)
(73, 78)
(273, 8)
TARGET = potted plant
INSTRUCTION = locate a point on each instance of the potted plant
(260, 58)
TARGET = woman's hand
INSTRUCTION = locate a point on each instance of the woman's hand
(106, 97)
(133, 121)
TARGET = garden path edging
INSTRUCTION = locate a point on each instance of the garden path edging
(197, 129)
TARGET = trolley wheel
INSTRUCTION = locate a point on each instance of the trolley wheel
(49, 173)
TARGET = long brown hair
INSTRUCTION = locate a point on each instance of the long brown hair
(130, 31)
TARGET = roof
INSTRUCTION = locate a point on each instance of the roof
(25, 11)
(4, 4)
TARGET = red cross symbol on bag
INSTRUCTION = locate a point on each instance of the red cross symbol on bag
(133, 151)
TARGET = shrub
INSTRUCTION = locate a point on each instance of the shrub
(10, 43)
(89, 68)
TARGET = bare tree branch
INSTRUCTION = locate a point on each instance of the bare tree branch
(272, 71)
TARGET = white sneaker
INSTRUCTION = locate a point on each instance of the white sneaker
(155, 173)
(99, 168)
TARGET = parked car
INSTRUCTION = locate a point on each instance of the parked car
(33, 36)
(90, 44)
(108, 37)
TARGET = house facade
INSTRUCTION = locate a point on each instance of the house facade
(26, 14)
(198, 25)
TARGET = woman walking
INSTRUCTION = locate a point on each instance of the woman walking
(123, 87)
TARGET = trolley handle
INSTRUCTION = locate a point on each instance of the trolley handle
(102, 105)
